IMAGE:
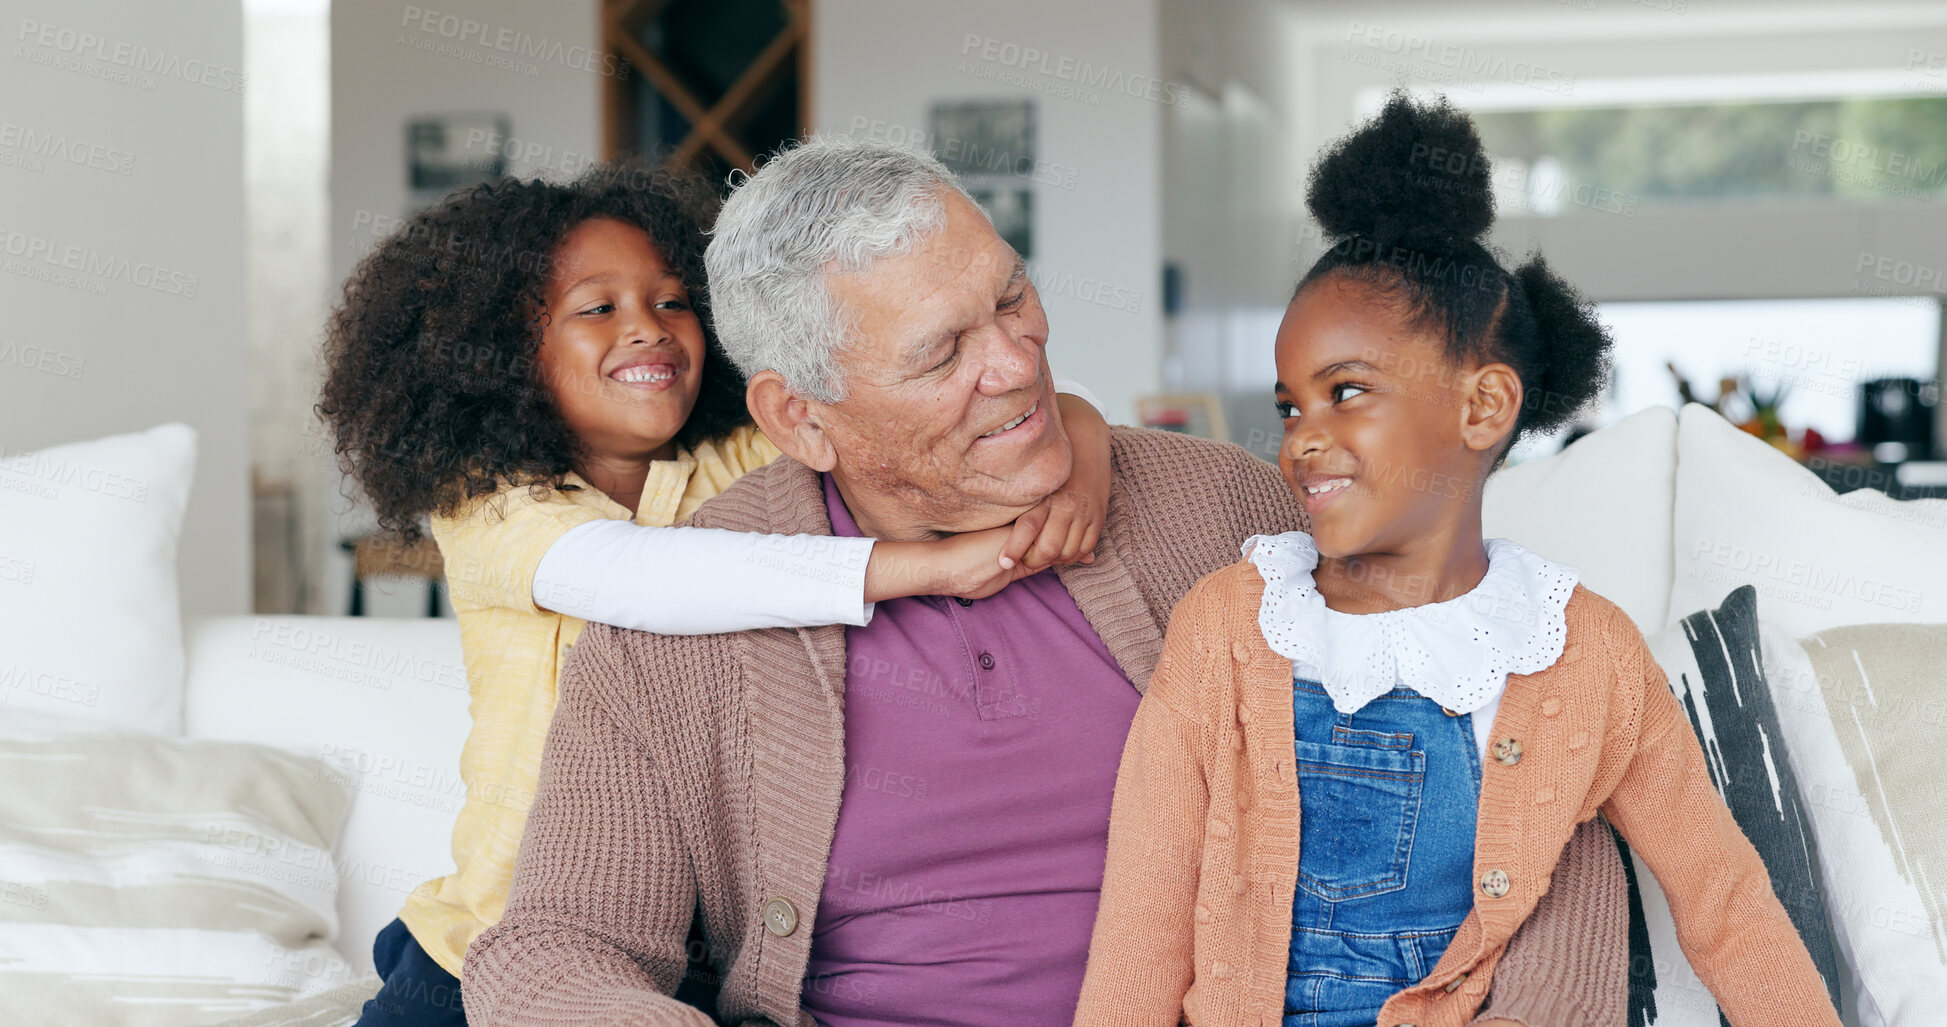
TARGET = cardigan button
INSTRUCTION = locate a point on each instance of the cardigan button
(1507, 752)
(780, 917)
(1494, 884)
(1454, 984)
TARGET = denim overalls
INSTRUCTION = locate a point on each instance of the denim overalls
(1388, 799)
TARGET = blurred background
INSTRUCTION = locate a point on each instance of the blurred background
(1755, 193)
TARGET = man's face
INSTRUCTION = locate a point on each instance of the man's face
(949, 420)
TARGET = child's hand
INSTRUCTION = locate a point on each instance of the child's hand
(1063, 529)
(967, 565)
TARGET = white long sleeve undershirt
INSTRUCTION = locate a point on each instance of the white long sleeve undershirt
(699, 581)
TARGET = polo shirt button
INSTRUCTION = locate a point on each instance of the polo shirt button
(780, 917)
(1507, 752)
(986, 661)
(1551, 706)
(1494, 884)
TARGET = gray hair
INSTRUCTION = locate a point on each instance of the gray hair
(831, 205)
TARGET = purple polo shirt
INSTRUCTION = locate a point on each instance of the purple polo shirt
(981, 746)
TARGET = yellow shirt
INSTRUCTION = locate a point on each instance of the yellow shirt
(514, 651)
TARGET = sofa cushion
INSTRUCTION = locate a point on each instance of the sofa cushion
(157, 881)
(90, 633)
(381, 700)
(1748, 514)
(1602, 506)
(1864, 709)
(1714, 668)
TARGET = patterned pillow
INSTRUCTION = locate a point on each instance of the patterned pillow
(151, 881)
(1865, 709)
(1713, 661)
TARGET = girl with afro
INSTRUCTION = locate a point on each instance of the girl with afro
(532, 366)
(1366, 746)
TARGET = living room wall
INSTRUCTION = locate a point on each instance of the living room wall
(123, 289)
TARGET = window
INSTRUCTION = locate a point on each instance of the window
(1573, 161)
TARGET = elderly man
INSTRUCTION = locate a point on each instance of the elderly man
(902, 823)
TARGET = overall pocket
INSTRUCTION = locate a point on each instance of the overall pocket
(1357, 808)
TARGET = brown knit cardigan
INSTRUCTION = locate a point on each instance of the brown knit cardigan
(701, 775)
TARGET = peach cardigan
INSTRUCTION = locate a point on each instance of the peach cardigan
(1195, 917)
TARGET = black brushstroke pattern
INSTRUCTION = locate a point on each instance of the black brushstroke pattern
(1642, 961)
(1783, 843)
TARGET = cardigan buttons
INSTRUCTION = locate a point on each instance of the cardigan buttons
(1507, 752)
(1454, 985)
(1494, 884)
(780, 917)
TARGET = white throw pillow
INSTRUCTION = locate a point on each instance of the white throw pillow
(1748, 514)
(90, 633)
(153, 881)
(381, 700)
(1863, 714)
(1601, 506)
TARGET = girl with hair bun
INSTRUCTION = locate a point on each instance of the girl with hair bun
(1366, 746)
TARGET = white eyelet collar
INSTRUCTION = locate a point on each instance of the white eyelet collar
(1458, 653)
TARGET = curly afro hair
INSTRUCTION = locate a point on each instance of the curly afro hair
(1408, 201)
(433, 390)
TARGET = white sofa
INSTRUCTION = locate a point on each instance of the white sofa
(1637, 507)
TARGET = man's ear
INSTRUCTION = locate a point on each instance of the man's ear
(1490, 404)
(789, 421)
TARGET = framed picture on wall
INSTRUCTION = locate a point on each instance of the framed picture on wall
(447, 151)
(1192, 413)
(990, 144)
